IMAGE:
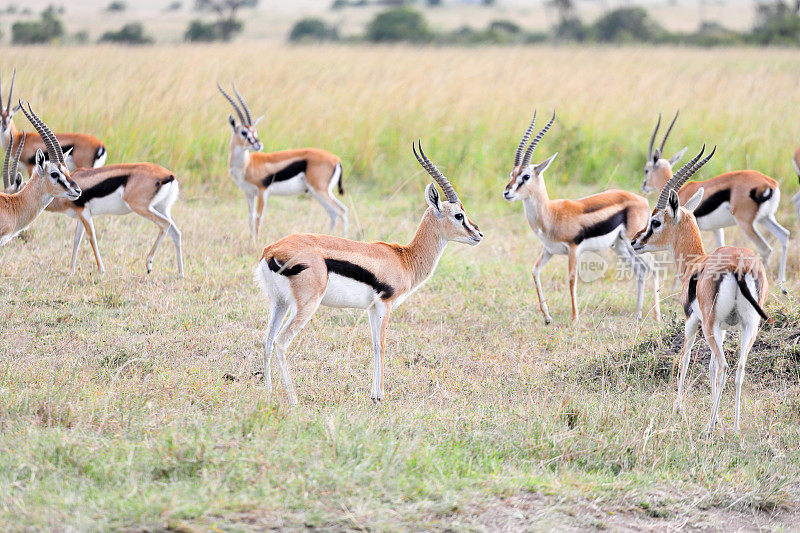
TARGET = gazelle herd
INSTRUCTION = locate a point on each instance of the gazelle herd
(722, 290)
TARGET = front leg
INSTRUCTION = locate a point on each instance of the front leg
(76, 242)
(573, 280)
(378, 321)
(719, 236)
(542, 260)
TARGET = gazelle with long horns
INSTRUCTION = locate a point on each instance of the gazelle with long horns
(50, 179)
(82, 150)
(723, 290)
(742, 198)
(283, 173)
(570, 227)
(303, 271)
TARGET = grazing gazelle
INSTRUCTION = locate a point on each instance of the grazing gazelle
(12, 178)
(49, 179)
(283, 173)
(146, 189)
(570, 227)
(740, 198)
(303, 271)
(722, 290)
(82, 150)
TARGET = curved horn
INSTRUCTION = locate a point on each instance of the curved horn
(434, 172)
(12, 174)
(666, 135)
(684, 176)
(53, 147)
(235, 107)
(6, 161)
(244, 106)
(678, 176)
(521, 147)
(529, 152)
(653, 138)
(11, 90)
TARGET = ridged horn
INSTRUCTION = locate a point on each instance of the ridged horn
(235, 107)
(50, 141)
(434, 172)
(679, 178)
(6, 161)
(666, 135)
(11, 89)
(12, 174)
(653, 139)
(529, 152)
(245, 108)
(524, 141)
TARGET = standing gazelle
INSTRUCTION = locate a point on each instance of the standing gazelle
(147, 189)
(570, 227)
(283, 173)
(740, 198)
(722, 290)
(81, 150)
(49, 179)
(303, 271)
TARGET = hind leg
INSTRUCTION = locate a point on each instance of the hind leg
(76, 242)
(719, 237)
(762, 246)
(378, 321)
(640, 269)
(749, 332)
(88, 224)
(689, 335)
(296, 322)
(162, 221)
(718, 370)
(333, 210)
(277, 314)
(782, 234)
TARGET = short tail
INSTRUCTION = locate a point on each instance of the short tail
(749, 296)
(100, 157)
(761, 197)
(338, 172)
(282, 269)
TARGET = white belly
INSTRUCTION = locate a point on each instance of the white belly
(721, 217)
(111, 204)
(346, 292)
(601, 242)
(290, 187)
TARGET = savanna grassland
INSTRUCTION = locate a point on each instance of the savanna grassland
(114, 406)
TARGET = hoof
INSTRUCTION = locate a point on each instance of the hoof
(230, 377)
(547, 321)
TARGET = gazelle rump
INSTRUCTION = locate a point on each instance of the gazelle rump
(723, 290)
(50, 179)
(283, 173)
(742, 198)
(303, 271)
(147, 189)
(82, 150)
(570, 227)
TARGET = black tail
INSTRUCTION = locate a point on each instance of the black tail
(282, 270)
(99, 153)
(341, 175)
(749, 296)
(763, 197)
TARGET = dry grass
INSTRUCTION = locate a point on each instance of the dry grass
(113, 404)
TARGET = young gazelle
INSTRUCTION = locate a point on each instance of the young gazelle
(570, 227)
(303, 271)
(740, 198)
(722, 290)
(283, 173)
(146, 189)
(81, 150)
(49, 179)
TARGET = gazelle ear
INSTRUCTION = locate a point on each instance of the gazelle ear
(18, 182)
(673, 206)
(677, 157)
(656, 155)
(232, 121)
(692, 203)
(15, 109)
(541, 167)
(258, 120)
(40, 160)
(432, 197)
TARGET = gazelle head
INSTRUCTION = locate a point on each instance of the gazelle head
(244, 132)
(526, 178)
(452, 221)
(7, 112)
(669, 221)
(12, 178)
(657, 169)
(51, 168)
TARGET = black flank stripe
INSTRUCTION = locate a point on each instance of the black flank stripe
(603, 227)
(102, 189)
(760, 199)
(291, 271)
(691, 296)
(710, 204)
(286, 173)
(360, 274)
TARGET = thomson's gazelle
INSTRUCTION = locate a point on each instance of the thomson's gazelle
(49, 179)
(570, 227)
(740, 198)
(722, 290)
(283, 173)
(303, 271)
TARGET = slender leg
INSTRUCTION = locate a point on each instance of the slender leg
(163, 222)
(763, 247)
(331, 208)
(640, 269)
(175, 234)
(689, 335)
(782, 234)
(261, 201)
(718, 372)
(251, 210)
(656, 293)
(796, 203)
(76, 242)
(541, 261)
(749, 331)
(573, 281)
(378, 321)
(88, 224)
(719, 236)
(342, 213)
(277, 314)
(297, 320)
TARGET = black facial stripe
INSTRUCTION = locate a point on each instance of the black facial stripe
(102, 189)
(286, 173)
(648, 234)
(712, 203)
(360, 274)
(603, 227)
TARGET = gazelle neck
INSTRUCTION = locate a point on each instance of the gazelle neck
(423, 252)
(29, 203)
(537, 206)
(6, 134)
(687, 248)
(238, 158)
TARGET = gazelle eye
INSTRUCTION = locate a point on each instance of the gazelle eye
(655, 223)
(459, 216)
(54, 175)
(526, 177)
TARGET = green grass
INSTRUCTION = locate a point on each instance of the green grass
(114, 408)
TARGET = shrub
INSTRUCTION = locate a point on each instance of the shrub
(626, 24)
(48, 28)
(776, 24)
(398, 24)
(220, 30)
(116, 6)
(132, 33)
(312, 29)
